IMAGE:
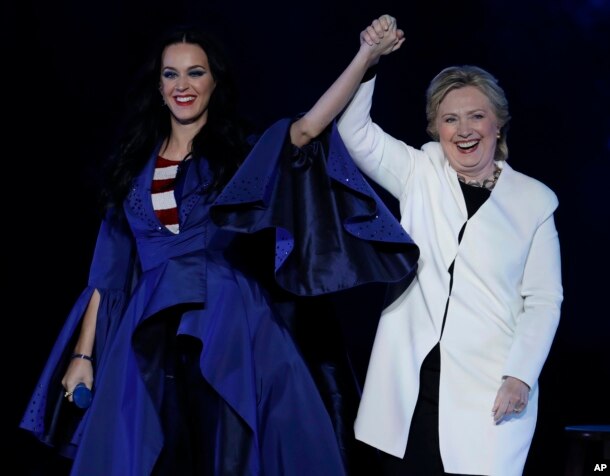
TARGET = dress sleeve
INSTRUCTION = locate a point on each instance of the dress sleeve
(113, 270)
(332, 230)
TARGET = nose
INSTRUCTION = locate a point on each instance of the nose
(182, 84)
(464, 129)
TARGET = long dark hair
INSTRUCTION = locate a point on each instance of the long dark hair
(222, 140)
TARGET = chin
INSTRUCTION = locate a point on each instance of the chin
(186, 120)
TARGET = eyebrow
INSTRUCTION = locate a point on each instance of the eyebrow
(467, 112)
(189, 68)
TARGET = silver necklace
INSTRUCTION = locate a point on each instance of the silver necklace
(489, 183)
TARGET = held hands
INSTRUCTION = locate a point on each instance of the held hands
(381, 37)
(511, 399)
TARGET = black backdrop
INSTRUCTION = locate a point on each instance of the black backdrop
(66, 67)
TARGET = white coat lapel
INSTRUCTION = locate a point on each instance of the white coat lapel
(456, 216)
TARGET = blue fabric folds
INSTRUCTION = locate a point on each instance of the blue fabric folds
(311, 201)
(42, 415)
(332, 233)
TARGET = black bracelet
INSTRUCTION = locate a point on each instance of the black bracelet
(82, 356)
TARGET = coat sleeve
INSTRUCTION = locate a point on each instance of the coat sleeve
(112, 272)
(386, 160)
(542, 294)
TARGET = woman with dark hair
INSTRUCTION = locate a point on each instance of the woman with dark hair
(177, 333)
(223, 139)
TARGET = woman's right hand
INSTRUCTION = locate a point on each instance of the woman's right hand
(381, 37)
(79, 371)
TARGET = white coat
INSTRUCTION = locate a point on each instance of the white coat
(503, 311)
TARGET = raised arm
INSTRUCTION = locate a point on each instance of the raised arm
(380, 38)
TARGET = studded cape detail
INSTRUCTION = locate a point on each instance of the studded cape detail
(322, 225)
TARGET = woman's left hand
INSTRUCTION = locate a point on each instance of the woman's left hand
(511, 399)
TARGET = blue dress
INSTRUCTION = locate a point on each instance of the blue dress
(331, 233)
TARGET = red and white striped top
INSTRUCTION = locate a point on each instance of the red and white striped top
(162, 191)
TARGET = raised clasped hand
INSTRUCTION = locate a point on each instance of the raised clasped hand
(382, 36)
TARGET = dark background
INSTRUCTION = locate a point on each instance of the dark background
(66, 68)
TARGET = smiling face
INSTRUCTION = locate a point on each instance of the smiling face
(467, 129)
(186, 83)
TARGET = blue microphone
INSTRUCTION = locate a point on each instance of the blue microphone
(82, 396)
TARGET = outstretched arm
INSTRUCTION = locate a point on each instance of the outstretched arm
(380, 38)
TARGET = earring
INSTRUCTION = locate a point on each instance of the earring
(498, 135)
